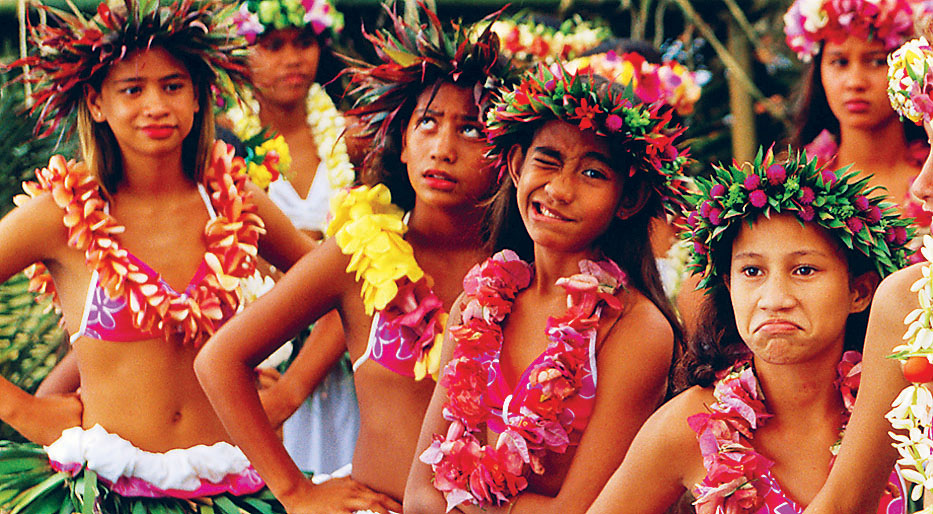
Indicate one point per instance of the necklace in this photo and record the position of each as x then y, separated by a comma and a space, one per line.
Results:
536, 422
323, 119
231, 238
733, 468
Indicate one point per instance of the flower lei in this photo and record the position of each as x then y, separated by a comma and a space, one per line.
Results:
256, 16
464, 468
530, 42
810, 22
76, 50
642, 131
912, 411
831, 199
369, 227
231, 240
669, 82
910, 80
733, 467
326, 124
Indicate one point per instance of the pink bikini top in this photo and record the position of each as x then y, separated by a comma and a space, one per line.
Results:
500, 398
777, 503
111, 319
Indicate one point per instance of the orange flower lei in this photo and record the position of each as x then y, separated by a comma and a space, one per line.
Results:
231, 240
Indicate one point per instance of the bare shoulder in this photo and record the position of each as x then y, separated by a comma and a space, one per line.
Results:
893, 298
669, 422
641, 322
37, 219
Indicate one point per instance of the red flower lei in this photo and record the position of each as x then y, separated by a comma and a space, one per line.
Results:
231, 240
464, 468
733, 467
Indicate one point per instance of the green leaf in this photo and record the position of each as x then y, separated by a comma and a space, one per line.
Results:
29, 495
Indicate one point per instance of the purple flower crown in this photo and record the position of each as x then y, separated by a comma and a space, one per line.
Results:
255, 17
644, 132
835, 201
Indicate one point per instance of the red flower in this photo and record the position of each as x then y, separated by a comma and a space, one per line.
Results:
758, 198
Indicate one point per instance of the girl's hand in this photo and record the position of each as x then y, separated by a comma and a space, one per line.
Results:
48, 416
337, 496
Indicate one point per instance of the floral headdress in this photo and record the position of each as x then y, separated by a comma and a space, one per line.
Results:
75, 51
831, 199
669, 82
910, 80
529, 42
257, 16
415, 57
641, 131
810, 22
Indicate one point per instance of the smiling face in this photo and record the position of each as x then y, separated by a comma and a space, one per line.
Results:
855, 77
148, 101
443, 147
791, 302
566, 188
283, 64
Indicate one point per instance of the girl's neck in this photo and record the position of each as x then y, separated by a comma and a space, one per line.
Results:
152, 175
453, 229
284, 118
552, 265
878, 150
804, 391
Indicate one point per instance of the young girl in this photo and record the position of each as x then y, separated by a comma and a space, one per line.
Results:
291, 44
844, 116
145, 242
519, 421
392, 292
891, 332
775, 363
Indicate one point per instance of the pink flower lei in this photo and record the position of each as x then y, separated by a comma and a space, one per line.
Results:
733, 467
466, 470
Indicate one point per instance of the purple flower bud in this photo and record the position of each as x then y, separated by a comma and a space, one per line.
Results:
698, 248
874, 215
889, 235
704, 209
807, 195
614, 122
861, 203
807, 213
752, 182
758, 198
900, 235
854, 224
776, 174
829, 178
717, 190
715, 216
692, 219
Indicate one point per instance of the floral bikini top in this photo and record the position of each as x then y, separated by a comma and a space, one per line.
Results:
127, 300
408, 318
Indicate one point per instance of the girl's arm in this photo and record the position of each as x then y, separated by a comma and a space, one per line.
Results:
867, 457
282, 244
320, 351
32, 233
225, 368
652, 476
632, 369
64, 377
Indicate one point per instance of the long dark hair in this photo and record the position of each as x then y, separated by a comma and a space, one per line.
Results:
716, 345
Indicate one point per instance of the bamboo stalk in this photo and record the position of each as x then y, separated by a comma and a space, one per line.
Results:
21, 14
744, 135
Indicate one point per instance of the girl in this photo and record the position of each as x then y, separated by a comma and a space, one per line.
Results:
291, 44
425, 104
844, 117
145, 243
519, 421
892, 333
775, 363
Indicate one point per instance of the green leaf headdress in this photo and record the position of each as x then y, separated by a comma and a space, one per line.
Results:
834, 200
643, 132
414, 57
75, 51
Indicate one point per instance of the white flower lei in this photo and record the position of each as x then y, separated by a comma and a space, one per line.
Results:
912, 411
325, 122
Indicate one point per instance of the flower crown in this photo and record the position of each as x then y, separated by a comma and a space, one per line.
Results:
75, 51
529, 42
910, 80
414, 57
866, 224
257, 16
642, 131
669, 82
810, 22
